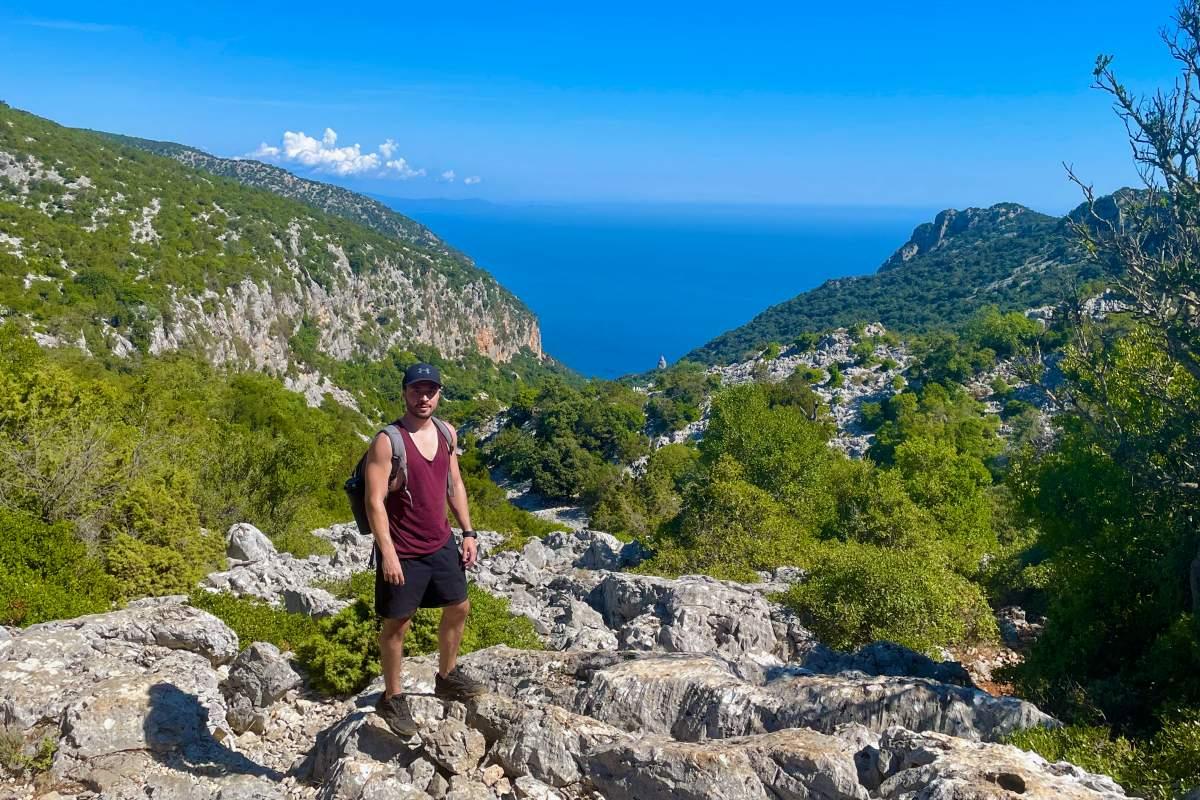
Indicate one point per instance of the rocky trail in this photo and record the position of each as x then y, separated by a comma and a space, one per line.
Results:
651, 688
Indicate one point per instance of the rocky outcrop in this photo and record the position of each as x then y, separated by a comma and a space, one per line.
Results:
656, 688
528, 742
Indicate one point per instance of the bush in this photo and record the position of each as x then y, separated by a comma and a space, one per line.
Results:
255, 620
1162, 767
303, 544
858, 594
47, 573
343, 655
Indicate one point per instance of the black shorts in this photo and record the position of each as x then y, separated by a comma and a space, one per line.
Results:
433, 581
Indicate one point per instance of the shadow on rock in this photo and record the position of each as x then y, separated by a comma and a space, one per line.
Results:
177, 734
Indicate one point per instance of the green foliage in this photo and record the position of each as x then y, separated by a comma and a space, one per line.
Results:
302, 544
677, 395
490, 509
858, 594
343, 656
1118, 536
772, 351
578, 436
1162, 767
47, 573
17, 762
639, 506
255, 620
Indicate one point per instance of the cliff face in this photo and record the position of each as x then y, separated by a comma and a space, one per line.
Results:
118, 250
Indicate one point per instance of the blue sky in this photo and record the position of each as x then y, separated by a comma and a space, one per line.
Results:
930, 105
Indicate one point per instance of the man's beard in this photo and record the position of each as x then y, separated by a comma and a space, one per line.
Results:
421, 413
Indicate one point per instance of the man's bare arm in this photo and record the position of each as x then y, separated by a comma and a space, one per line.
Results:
458, 502
376, 473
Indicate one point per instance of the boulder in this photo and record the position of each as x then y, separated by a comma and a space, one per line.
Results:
312, 601
943, 767
244, 542
51, 665
794, 763
258, 677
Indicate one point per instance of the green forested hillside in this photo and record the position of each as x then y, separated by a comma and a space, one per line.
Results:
323, 196
115, 248
1006, 255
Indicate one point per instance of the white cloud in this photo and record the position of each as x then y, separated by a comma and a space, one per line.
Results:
471, 181
447, 176
324, 155
403, 170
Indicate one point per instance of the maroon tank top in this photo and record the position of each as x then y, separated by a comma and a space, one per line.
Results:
417, 512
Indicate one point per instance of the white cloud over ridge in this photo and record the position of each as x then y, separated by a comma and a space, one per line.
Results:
447, 176
471, 181
324, 155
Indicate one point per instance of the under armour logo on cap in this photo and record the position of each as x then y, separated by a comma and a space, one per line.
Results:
422, 372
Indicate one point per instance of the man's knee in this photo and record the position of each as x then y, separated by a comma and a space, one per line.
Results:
457, 612
394, 629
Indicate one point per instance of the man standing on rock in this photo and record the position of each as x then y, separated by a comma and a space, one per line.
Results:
419, 564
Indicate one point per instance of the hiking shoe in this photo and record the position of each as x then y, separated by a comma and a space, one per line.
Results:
457, 686
394, 711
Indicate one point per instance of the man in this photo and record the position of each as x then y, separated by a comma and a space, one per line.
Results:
419, 564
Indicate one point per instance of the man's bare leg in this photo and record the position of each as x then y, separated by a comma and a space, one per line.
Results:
450, 633
391, 653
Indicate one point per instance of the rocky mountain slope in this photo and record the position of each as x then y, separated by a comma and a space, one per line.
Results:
1006, 255
655, 688
114, 249
322, 196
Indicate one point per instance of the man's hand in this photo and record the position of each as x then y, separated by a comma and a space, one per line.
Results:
470, 551
392, 571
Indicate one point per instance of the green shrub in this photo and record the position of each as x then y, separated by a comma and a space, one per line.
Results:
17, 762
343, 655
255, 620
772, 351
148, 570
47, 573
1089, 747
303, 544
1161, 767
806, 342
857, 594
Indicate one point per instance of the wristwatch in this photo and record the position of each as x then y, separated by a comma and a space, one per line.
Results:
470, 535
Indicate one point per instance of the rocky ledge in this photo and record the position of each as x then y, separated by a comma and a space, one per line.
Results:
653, 688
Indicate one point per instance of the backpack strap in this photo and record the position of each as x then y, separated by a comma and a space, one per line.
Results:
399, 454
444, 430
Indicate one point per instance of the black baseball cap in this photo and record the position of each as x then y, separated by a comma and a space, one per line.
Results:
422, 372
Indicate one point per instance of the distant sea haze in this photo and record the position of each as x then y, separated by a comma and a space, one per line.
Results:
615, 287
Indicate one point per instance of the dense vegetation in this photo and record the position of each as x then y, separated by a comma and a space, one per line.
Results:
1006, 255
119, 479
102, 238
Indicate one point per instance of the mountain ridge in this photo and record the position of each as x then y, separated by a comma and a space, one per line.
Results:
1005, 255
119, 250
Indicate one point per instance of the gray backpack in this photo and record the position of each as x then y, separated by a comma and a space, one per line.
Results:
356, 484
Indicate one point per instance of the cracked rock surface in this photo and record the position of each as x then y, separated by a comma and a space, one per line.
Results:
650, 688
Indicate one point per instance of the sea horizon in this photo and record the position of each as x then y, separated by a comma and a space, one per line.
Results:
616, 285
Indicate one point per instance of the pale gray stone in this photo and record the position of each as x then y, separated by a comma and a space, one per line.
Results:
244, 542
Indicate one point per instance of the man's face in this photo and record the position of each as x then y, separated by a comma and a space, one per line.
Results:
421, 398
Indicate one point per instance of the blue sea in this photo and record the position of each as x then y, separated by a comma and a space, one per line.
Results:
616, 286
